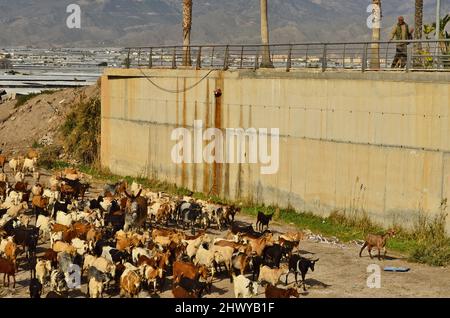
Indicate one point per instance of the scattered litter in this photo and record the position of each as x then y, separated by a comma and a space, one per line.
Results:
46, 140
396, 269
357, 242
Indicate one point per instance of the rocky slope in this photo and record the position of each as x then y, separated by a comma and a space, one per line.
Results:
38, 120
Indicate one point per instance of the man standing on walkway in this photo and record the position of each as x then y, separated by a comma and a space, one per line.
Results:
401, 32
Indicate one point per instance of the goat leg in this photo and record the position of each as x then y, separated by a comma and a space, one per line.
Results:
303, 280
362, 249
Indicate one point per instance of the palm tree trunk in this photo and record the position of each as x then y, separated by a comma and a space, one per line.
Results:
266, 61
376, 36
418, 32
187, 26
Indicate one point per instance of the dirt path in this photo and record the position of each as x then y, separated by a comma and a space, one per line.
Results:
339, 273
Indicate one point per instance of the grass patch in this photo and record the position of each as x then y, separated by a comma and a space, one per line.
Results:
47, 157
36, 145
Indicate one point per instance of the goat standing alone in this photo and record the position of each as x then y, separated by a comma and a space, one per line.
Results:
378, 241
263, 220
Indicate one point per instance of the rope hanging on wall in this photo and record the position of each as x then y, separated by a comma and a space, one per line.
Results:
174, 91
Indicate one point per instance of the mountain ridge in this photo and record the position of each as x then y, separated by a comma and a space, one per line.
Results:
158, 22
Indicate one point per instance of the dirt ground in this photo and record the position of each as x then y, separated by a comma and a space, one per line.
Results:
339, 272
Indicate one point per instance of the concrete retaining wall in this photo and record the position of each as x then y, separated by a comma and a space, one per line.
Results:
375, 142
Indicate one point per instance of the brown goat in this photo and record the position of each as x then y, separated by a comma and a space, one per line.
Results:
51, 256
2, 162
377, 241
21, 186
7, 267
275, 292
180, 292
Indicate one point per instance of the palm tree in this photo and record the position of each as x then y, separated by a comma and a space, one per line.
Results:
418, 32
266, 61
187, 26
376, 33
418, 20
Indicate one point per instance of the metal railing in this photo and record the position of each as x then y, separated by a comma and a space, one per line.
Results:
414, 55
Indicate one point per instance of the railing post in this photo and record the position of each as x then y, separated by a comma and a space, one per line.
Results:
386, 57
128, 61
255, 67
409, 58
324, 58
225, 58
212, 56
364, 58
306, 55
199, 58
174, 58
343, 58
289, 59
241, 65
139, 58
150, 60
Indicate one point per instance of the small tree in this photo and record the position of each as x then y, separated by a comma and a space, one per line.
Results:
444, 47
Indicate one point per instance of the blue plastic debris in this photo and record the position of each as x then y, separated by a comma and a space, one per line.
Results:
396, 269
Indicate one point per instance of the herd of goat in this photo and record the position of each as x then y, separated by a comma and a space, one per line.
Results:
129, 239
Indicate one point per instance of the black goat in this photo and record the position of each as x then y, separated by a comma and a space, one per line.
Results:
60, 206
95, 204
272, 255
237, 227
255, 263
189, 213
300, 264
194, 286
35, 288
263, 220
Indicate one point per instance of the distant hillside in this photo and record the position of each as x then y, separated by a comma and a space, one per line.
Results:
144, 22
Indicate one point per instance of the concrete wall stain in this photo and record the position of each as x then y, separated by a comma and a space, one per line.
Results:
217, 170
206, 166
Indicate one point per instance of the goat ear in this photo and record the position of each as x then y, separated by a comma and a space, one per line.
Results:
139, 193
316, 260
126, 193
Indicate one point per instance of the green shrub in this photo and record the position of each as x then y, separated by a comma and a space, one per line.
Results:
433, 245
49, 156
82, 131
